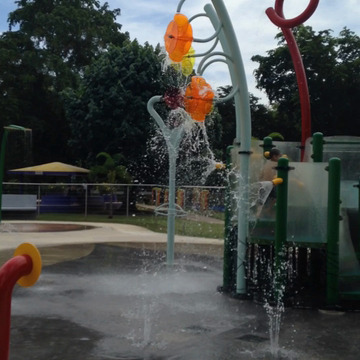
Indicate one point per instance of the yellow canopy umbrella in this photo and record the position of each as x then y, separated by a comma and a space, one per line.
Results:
53, 168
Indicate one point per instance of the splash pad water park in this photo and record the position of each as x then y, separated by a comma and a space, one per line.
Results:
285, 287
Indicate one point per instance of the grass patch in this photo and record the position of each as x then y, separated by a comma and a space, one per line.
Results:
216, 215
151, 222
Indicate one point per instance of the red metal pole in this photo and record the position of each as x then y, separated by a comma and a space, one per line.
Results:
277, 17
10, 273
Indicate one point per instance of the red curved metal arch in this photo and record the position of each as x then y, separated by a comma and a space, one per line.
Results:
277, 17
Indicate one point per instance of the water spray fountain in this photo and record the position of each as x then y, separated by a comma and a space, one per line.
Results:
172, 138
178, 41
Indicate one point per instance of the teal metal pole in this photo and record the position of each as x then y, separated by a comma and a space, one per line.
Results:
171, 212
318, 147
243, 136
230, 243
281, 228
2, 166
332, 245
173, 138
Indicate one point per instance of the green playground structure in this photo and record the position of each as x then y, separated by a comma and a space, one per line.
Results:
308, 243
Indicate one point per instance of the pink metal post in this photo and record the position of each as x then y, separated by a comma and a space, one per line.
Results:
10, 273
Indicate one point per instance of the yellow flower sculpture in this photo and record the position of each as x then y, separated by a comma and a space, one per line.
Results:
188, 62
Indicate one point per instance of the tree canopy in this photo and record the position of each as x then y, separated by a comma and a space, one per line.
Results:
68, 34
47, 47
70, 74
108, 111
261, 118
332, 66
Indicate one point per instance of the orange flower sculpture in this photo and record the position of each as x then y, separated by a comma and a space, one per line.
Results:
198, 99
178, 37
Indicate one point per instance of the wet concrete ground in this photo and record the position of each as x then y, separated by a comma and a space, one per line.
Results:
120, 303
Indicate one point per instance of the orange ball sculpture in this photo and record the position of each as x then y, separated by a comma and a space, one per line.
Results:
198, 99
178, 37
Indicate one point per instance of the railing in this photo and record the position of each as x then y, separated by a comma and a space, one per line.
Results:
93, 198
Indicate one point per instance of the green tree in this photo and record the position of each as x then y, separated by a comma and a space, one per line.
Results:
109, 170
68, 34
214, 130
51, 44
108, 111
262, 118
333, 72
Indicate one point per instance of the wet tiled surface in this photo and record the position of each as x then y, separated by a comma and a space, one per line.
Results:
114, 302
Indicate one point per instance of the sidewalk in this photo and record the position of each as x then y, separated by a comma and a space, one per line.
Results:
119, 234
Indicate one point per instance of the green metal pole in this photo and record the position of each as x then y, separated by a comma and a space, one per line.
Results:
316, 254
318, 147
228, 266
358, 221
2, 167
267, 145
333, 220
358, 240
281, 227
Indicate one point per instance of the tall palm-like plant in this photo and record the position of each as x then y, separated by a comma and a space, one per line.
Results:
110, 171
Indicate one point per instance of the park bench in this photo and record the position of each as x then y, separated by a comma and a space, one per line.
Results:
19, 205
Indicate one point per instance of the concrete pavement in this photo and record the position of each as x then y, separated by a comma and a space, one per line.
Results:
98, 301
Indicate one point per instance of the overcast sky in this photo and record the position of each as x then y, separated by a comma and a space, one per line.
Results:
147, 20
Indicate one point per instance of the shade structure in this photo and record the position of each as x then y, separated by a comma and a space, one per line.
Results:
53, 168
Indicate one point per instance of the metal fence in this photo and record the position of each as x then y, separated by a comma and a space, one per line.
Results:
123, 199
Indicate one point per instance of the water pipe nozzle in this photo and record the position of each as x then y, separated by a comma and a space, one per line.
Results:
277, 181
